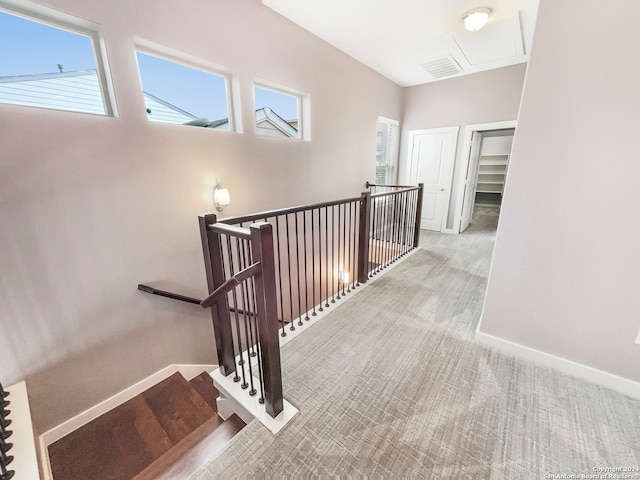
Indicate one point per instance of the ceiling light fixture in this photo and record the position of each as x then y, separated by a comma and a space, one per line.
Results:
475, 19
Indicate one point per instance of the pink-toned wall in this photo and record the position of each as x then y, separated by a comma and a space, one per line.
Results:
566, 267
91, 206
491, 96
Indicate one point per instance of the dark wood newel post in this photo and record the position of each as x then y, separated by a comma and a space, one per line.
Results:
363, 237
416, 232
215, 277
267, 310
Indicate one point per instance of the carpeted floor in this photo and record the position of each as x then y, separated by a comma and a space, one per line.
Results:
392, 384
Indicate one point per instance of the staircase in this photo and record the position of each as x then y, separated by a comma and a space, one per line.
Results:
168, 431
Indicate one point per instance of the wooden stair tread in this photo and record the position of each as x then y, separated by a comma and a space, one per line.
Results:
203, 384
108, 447
194, 451
178, 406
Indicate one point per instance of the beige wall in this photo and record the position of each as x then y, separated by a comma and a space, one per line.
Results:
491, 96
566, 267
91, 206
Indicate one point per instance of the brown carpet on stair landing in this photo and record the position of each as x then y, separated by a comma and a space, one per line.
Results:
116, 445
124, 441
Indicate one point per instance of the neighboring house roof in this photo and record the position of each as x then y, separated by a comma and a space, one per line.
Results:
268, 123
77, 91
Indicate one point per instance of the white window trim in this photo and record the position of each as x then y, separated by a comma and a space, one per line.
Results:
56, 19
232, 83
396, 153
304, 105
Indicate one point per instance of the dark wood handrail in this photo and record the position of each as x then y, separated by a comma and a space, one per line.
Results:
283, 211
368, 184
394, 192
231, 283
163, 293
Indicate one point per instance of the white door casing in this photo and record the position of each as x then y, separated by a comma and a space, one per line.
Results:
431, 159
471, 181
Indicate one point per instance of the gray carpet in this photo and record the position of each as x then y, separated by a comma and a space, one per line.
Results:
392, 384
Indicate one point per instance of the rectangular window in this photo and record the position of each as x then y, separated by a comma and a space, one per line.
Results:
180, 94
387, 133
278, 112
52, 63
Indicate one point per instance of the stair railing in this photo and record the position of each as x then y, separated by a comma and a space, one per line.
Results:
244, 277
269, 273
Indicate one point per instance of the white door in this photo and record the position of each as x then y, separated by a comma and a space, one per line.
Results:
431, 159
471, 181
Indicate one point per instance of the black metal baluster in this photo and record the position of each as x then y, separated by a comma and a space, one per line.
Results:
292, 327
298, 271
258, 347
313, 266
403, 237
246, 255
372, 230
242, 362
394, 229
354, 233
320, 259
385, 232
236, 378
306, 276
333, 255
253, 324
280, 295
340, 266
326, 255
246, 245
347, 226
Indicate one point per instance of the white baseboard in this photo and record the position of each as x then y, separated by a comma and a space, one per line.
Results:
65, 428
590, 374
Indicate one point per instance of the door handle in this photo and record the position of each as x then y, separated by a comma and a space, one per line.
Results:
442, 189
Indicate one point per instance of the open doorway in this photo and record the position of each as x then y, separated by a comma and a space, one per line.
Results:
489, 148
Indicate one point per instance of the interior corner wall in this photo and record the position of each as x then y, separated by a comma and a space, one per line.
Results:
486, 97
566, 269
90, 206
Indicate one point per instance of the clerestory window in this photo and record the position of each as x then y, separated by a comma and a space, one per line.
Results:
52, 60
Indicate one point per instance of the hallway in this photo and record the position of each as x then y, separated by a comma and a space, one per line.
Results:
393, 384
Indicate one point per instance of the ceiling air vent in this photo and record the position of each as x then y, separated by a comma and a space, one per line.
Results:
442, 67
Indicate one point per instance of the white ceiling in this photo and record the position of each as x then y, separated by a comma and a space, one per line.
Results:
395, 37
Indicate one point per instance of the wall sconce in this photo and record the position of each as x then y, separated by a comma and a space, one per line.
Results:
477, 18
221, 197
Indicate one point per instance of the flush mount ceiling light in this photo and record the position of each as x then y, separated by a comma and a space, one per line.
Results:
475, 19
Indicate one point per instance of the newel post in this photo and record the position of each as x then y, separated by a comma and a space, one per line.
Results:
363, 237
267, 312
215, 277
416, 231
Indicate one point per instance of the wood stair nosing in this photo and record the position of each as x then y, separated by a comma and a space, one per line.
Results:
193, 451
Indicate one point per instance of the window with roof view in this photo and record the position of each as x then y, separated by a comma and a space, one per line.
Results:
386, 151
277, 113
179, 94
51, 64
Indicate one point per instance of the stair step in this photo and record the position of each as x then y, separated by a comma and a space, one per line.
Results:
178, 407
116, 445
203, 384
171, 427
194, 451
